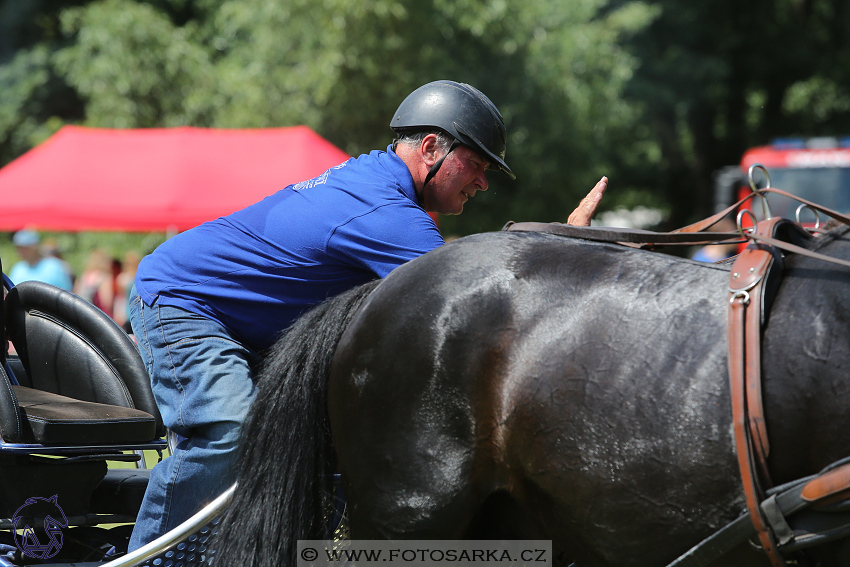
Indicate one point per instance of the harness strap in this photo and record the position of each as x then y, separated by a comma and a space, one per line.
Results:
700, 226
703, 224
792, 503
788, 247
834, 214
435, 168
647, 238
746, 287
832, 485
627, 236
749, 278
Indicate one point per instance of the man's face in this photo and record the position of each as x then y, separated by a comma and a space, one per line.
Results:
463, 173
30, 254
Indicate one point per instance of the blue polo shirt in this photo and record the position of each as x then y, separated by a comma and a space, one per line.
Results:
256, 270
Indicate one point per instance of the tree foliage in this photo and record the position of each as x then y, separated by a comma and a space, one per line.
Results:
655, 94
555, 69
718, 76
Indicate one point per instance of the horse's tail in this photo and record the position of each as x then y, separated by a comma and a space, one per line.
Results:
285, 476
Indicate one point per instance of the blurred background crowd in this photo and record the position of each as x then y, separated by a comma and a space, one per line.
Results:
104, 280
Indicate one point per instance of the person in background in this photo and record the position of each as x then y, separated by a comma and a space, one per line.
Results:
34, 265
123, 283
718, 252
49, 247
97, 284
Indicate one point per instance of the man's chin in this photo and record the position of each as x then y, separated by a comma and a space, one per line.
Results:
454, 211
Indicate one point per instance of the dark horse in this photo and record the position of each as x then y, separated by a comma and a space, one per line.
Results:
526, 385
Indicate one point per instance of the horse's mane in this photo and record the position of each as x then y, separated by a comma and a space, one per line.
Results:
286, 467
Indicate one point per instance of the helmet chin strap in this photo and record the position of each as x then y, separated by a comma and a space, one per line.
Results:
434, 169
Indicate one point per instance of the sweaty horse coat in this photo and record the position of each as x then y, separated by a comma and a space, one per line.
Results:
529, 385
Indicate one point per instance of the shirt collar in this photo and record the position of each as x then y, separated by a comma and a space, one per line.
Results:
401, 172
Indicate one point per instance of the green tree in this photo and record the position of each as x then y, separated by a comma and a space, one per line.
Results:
135, 67
34, 99
555, 69
655, 94
719, 76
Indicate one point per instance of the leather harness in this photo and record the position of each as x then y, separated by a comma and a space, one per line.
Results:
753, 279
747, 293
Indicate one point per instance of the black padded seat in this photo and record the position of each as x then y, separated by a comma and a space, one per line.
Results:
70, 348
82, 396
52, 419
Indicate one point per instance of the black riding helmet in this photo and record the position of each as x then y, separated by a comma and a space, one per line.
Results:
463, 112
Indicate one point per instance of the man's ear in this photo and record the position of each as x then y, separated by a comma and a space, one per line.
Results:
429, 149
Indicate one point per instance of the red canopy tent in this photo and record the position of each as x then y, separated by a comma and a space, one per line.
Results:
154, 179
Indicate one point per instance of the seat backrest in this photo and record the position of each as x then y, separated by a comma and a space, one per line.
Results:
70, 347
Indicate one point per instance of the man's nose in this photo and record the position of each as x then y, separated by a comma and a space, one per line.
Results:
482, 181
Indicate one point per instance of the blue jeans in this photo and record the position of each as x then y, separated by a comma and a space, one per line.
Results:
202, 379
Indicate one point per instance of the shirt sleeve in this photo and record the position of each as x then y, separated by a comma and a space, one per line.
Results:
385, 238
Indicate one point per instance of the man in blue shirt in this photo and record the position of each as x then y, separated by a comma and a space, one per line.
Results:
209, 301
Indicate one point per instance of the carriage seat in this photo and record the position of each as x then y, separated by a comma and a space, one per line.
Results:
83, 381
51, 419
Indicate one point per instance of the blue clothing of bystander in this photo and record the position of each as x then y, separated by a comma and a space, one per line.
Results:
48, 270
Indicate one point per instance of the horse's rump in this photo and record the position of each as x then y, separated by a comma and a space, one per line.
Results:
562, 373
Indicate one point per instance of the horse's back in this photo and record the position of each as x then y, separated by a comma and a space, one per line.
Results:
561, 372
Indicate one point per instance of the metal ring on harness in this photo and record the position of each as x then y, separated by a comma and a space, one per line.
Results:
805, 206
739, 221
765, 207
743, 295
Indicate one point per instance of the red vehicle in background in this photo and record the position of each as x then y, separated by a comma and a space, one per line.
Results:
816, 169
